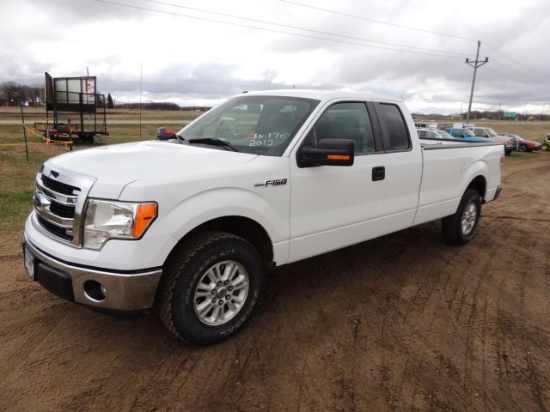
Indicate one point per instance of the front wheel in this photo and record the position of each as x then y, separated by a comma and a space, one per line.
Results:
522, 148
211, 284
546, 146
460, 228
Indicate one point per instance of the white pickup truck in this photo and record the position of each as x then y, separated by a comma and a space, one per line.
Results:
189, 226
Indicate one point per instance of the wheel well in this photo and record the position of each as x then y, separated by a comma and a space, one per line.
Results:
479, 185
244, 228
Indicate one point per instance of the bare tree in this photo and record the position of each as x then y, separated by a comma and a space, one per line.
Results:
11, 90
37, 94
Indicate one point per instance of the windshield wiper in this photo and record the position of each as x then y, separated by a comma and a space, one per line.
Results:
214, 141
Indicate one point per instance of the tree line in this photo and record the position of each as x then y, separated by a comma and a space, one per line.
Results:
500, 115
15, 93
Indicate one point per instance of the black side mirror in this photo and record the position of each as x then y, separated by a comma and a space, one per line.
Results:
328, 152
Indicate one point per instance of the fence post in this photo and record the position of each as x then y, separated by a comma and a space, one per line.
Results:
24, 131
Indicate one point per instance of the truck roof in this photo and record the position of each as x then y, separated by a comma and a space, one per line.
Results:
324, 94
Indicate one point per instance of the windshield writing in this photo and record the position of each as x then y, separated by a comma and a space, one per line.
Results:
252, 124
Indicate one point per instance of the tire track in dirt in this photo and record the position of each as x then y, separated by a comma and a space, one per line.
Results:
518, 339
27, 308
11, 258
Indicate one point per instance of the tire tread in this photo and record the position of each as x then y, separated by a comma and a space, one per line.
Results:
184, 253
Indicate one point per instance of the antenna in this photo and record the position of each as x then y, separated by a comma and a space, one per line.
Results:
140, 90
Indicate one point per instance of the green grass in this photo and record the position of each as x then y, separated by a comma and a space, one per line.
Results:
14, 207
16, 184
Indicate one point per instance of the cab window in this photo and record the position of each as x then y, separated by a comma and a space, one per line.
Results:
349, 120
396, 134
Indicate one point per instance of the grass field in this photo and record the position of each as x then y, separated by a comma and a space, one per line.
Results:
16, 185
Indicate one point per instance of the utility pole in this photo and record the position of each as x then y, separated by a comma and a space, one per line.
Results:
475, 64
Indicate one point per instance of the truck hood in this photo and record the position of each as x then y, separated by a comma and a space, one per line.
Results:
117, 166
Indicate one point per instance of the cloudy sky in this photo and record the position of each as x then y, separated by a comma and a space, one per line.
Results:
200, 52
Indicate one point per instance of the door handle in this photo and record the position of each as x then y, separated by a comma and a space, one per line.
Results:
378, 173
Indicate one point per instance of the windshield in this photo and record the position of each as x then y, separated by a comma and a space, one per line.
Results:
444, 135
251, 124
491, 132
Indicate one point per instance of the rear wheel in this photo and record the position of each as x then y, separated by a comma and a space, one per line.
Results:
210, 286
460, 228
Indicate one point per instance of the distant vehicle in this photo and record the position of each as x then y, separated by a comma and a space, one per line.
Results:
464, 134
488, 133
524, 145
425, 133
419, 124
164, 134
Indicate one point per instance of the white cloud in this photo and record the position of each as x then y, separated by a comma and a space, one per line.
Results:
184, 51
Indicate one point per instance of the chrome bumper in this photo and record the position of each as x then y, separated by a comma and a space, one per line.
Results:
133, 291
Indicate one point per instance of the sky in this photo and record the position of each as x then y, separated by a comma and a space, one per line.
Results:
202, 52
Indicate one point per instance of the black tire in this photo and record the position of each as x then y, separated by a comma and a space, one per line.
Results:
522, 148
546, 146
210, 285
460, 228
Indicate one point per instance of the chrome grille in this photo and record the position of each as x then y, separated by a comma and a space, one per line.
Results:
58, 186
59, 199
56, 230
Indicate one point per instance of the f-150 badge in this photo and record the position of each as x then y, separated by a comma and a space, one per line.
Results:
274, 182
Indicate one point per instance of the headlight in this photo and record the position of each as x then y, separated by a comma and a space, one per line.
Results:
107, 220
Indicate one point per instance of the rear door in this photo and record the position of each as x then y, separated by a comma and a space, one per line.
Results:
403, 163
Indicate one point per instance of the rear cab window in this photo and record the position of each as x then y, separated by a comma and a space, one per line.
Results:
394, 128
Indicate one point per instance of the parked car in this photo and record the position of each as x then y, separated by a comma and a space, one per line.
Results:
488, 133
164, 134
464, 134
425, 133
436, 134
524, 145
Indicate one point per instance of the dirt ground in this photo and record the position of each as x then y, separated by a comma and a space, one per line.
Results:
401, 323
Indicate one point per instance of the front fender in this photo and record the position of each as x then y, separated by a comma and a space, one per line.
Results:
269, 209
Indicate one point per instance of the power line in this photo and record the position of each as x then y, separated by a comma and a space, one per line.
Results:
313, 34
519, 79
524, 76
516, 62
418, 30
298, 28
403, 48
375, 21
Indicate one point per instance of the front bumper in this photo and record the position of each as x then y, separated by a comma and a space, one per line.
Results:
123, 291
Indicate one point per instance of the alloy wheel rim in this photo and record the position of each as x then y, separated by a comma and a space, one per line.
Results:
221, 293
469, 218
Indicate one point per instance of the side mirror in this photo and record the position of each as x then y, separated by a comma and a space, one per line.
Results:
328, 152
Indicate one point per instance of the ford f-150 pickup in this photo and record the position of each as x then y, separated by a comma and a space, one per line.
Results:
190, 226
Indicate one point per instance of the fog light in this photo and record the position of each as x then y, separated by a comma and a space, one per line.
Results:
95, 290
